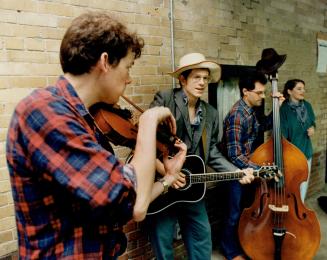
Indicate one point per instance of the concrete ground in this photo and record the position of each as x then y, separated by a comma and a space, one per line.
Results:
322, 217
311, 203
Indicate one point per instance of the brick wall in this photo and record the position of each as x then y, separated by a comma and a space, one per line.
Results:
232, 32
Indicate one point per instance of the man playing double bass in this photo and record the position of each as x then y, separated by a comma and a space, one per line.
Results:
241, 129
277, 225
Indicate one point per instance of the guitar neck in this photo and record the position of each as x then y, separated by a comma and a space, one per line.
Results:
218, 176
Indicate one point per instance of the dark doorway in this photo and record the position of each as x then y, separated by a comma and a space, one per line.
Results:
229, 82
223, 95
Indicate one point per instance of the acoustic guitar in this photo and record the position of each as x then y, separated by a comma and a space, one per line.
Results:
196, 179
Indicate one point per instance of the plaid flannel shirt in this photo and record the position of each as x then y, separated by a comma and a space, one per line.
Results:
71, 196
241, 128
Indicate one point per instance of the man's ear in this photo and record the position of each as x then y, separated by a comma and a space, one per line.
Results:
182, 80
103, 62
244, 91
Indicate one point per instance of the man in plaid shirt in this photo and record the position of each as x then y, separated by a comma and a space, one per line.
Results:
71, 195
241, 128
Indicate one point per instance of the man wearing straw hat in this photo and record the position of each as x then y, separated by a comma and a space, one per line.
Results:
197, 126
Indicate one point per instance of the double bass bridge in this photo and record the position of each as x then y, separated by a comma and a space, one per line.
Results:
274, 208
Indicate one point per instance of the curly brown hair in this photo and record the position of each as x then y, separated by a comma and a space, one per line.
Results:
92, 34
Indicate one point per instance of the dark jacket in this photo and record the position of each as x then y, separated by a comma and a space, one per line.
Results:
294, 131
208, 129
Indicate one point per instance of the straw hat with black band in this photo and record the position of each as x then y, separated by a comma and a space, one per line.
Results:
197, 61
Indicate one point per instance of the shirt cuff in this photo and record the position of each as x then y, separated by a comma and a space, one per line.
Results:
254, 166
129, 174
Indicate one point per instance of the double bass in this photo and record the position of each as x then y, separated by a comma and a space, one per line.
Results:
278, 225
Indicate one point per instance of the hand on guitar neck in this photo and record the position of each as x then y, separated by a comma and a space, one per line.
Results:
248, 176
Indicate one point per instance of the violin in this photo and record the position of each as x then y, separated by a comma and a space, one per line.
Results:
116, 125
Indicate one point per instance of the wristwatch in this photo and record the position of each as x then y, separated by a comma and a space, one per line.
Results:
164, 184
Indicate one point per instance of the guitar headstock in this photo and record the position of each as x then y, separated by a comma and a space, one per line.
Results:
269, 172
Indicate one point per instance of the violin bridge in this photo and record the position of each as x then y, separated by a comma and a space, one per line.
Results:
283, 208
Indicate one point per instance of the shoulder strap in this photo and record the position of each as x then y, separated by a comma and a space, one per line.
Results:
204, 142
204, 135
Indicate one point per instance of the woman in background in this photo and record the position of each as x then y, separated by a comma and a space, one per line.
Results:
298, 122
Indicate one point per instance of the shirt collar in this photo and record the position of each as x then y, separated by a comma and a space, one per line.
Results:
248, 109
198, 112
70, 94
185, 99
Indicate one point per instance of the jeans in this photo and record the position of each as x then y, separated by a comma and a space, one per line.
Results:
229, 242
195, 230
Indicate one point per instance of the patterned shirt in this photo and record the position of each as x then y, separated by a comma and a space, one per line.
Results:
195, 126
198, 112
241, 128
71, 195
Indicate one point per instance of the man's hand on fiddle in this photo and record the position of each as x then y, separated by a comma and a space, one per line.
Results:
160, 115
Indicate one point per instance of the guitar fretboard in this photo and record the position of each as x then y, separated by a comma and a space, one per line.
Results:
216, 176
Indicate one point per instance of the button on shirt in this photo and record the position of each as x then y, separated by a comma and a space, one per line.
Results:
71, 196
